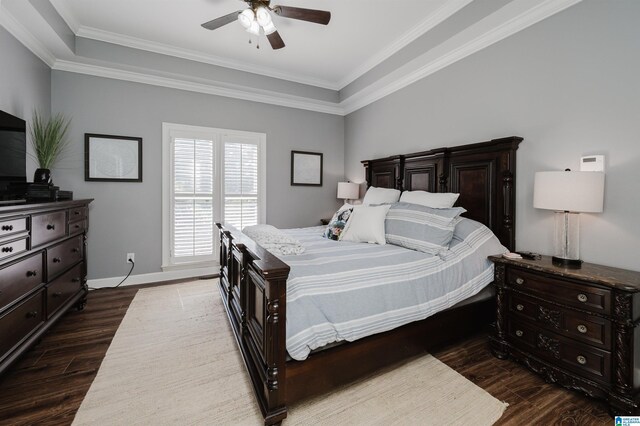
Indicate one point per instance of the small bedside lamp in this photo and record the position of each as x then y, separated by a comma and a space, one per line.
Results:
348, 191
568, 193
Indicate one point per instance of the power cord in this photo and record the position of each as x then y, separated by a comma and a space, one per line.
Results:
133, 264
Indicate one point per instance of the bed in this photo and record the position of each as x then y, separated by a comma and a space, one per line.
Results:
253, 281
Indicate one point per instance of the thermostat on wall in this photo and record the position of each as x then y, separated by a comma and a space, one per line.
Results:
592, 163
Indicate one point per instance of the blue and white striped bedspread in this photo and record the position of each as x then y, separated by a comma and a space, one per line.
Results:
345, 291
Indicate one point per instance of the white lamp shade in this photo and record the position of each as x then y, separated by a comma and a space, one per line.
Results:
263, 16
348, 190
246, 18
269, 28
581, 192
254, 28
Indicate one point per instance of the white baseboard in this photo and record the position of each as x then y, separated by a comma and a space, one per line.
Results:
154, 277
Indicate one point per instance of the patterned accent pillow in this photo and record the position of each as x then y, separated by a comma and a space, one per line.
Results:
421, 228
338, 222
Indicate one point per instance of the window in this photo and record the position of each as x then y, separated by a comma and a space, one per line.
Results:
210, 175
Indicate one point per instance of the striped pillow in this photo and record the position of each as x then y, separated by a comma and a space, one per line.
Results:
421, 228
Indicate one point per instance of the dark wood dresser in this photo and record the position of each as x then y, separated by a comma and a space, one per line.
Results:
43, 270
575, 327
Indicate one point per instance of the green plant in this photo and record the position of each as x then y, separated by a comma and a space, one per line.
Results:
48, 138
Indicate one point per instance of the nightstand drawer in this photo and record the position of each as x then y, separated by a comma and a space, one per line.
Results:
581, 296
585, 360
580, 326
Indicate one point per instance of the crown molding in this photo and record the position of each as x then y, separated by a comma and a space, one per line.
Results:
435, 18
211, 88
192, 55
16, 29
402, 78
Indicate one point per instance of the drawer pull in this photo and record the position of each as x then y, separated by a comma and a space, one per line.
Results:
32, 314
32, 273
76, 226
582, 328
7, 249
75, 250
581, 360
519, 280
75, 280
7, 227
77, 212
51, 227
582, 297
57, 294
519, 307
57, 260
519, 333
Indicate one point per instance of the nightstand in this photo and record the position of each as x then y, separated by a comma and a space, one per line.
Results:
575, 327
325, 221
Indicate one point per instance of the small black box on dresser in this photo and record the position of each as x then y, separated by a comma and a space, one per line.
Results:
575, 327
43, 270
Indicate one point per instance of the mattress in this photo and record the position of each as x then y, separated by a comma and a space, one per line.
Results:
342, 291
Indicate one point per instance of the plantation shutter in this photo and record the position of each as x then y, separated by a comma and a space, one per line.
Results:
193, 203
241, 184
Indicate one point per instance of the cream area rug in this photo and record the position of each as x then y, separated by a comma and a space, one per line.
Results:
174, 361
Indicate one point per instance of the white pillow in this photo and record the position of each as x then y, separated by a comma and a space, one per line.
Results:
435, 200
380, 196
366, 225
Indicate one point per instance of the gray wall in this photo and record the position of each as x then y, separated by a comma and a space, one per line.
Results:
568, 85
25, 84
126, 217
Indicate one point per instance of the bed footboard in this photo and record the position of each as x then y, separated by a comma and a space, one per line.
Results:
253, 287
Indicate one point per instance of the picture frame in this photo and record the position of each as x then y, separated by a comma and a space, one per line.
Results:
306, 168
110, 158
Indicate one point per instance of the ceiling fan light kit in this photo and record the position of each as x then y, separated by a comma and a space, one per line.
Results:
258, 17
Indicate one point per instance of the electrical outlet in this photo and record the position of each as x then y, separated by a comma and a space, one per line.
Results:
131, 258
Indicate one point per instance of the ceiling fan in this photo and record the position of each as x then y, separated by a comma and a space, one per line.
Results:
258, 17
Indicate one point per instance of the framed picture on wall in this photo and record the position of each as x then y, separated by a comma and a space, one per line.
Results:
306, 168
109, 158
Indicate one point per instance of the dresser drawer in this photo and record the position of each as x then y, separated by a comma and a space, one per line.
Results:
63, 288
577, 325
64, 255
20, 278
581, 296
12, 226
585, 360
77, 213
77, 227
18, 324
13, 248
48, 227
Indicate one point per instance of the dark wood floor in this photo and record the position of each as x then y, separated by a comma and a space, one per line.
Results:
47, 386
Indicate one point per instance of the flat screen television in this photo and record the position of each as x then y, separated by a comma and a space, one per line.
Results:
13, 150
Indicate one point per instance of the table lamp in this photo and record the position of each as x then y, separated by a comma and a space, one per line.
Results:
348, 191
568, 194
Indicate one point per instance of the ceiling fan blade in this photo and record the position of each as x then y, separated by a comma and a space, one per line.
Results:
275, 40
311, 15
221, 21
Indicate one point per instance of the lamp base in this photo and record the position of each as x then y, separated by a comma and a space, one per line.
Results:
566, 263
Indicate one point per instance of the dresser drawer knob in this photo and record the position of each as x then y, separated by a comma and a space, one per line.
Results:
519, 307
581, 360
32, 273
51, 227
32, 314
75, 250
7, 227
582, 297
519, 333
75, 280
582, 328
7, 249
519, 280
77, 226
57, 260
77, 212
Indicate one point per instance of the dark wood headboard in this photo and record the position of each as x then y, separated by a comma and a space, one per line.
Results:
483, 173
